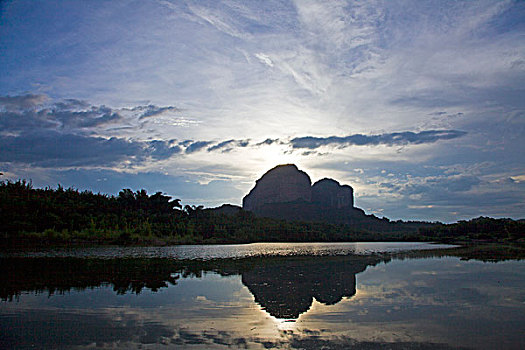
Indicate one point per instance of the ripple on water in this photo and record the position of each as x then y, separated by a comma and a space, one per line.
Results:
206, 252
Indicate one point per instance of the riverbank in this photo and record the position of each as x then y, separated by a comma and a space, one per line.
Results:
490, 251
54, 238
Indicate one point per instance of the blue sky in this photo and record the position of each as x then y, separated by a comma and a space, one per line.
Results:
418, 105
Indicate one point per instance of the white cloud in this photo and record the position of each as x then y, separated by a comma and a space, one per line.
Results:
264, 59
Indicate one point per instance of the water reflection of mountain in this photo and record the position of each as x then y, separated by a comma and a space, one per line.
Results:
283, 286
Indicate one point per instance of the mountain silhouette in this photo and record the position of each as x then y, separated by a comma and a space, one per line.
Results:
285, 192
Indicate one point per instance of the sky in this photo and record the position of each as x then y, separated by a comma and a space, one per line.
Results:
418, 105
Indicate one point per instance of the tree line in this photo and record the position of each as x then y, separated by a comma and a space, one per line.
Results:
481, 228
63, 215
46, 215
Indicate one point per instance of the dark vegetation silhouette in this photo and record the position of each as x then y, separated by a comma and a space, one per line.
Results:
65, 215
481, 228
31, 215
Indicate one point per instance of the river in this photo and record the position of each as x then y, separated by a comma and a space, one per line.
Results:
260, 296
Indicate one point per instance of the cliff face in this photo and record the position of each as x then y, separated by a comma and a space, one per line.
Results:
285, 192
329, 193
284, 183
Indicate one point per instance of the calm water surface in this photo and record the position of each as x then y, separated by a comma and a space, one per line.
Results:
292, 296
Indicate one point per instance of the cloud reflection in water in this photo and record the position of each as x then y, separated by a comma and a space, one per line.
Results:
424, 303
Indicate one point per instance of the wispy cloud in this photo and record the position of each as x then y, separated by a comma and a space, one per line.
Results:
151, 111
264, 59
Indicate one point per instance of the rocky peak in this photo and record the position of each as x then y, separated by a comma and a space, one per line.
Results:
284, 183
287, 184
329, 193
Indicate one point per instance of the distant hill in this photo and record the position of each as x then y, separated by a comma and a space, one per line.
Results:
225, 209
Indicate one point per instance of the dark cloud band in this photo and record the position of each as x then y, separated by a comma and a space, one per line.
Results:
393, 139
197, 146
21, 102
226, 146
53, 149
61, 134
